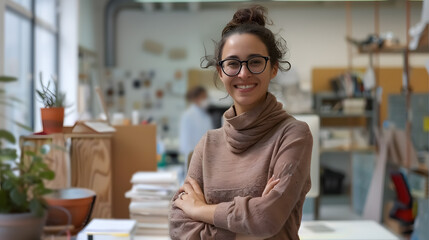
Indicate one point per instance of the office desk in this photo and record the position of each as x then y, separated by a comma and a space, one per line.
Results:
344, 230
323, 230
331, 230
151, 238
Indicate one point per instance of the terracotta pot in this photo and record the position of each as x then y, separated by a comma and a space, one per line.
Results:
52, 119
21, 226
77, 201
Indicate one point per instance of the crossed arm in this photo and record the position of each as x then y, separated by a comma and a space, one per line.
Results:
194, 204
192, 218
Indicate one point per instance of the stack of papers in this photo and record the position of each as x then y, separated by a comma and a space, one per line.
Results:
150, 201
108, 229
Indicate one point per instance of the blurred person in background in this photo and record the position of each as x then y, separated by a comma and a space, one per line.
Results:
195, 121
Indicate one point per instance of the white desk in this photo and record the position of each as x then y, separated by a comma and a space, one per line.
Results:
151, 238
344, 230
332, 230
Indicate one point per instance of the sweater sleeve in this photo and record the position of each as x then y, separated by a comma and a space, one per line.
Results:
180, 225
264, 216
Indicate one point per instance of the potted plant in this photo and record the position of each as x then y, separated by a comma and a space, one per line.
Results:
54, 102
22, 207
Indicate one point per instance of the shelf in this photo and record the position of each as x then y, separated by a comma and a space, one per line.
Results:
340, 111
67, 135
422, 170
335, 199
393, 50
350, 149
372, 49
330, 95
366, 114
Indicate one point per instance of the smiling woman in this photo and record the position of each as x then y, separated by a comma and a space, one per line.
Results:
247, 88
248, 179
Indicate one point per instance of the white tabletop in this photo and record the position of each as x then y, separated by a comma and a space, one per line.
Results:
345, 230
150, 238
332, 230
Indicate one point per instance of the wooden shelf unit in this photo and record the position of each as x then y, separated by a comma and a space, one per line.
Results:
79, 160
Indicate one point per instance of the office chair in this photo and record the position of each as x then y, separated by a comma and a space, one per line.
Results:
403, 206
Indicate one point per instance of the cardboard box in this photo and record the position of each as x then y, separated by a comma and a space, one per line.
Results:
134, 149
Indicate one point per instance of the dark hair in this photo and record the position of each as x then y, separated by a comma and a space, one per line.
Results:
251, 20
195, 93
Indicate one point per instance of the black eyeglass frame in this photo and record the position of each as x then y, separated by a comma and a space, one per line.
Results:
220, 63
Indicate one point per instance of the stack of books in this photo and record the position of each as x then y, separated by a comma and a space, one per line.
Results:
108, 229
150, 201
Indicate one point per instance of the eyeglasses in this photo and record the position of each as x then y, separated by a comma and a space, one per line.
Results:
255, 65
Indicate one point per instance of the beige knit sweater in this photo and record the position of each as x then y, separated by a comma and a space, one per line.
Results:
233, 164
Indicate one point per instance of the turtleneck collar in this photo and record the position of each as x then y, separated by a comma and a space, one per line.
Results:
246, 129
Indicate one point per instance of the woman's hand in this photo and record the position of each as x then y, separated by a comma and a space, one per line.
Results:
192, 201
270, 185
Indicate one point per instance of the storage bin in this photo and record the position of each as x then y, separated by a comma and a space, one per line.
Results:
332, 181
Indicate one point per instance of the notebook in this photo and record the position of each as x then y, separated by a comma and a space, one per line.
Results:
108, 229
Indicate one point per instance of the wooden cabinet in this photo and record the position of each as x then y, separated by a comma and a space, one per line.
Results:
91, 167
79, 160
104, 163
134, 149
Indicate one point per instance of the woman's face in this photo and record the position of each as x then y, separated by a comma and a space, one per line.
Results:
247, 89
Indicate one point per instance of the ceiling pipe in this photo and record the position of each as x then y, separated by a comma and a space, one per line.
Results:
110, 12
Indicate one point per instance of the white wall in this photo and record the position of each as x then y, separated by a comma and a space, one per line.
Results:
315, 35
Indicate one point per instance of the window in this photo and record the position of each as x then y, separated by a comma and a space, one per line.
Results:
24, 3
17, 55
30, 47
46, 11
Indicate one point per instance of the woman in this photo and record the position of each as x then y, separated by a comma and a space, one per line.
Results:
248, 179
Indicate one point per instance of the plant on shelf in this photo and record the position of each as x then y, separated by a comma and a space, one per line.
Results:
51, 98
21, 187
54, 104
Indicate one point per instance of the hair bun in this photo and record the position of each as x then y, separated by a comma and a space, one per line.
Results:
252, 15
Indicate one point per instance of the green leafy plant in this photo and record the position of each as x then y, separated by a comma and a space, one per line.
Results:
21, 182
51, 98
